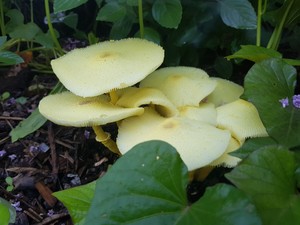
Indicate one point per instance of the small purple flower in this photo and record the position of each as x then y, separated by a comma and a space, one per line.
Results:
296, 101
285, 102
87, 134
2, 153
17, 207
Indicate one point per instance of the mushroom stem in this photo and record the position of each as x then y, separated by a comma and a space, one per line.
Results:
113, 96
202, 173
105, 139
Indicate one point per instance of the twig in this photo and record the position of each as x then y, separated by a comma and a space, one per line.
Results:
27, 170
52, 219
53, 150
11, 118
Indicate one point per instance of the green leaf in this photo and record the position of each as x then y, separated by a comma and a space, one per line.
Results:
33, 122
255, 53
9, 58
238, 14
290, 10
16, 18
148, 184
150, 34
4, 215
144, 186
27, 31
121, 29
7, 212
167, 13
221, 204
111, 12
77, 200
44, 39
64, 5
268, 177
254, 144
2, 41
71, 20
266, 83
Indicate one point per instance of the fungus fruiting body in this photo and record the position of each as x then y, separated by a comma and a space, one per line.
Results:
98, 69
182, 85
202, 117
198, 143
108, 65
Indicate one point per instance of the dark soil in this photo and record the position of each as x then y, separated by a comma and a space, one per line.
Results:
51, 159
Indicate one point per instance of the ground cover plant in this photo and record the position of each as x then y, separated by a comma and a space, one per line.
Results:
205, 132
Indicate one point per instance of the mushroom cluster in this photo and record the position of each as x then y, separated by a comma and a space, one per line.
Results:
202, 117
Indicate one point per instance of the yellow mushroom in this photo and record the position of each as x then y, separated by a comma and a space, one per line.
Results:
198, 143
108, 65
225, 92
71, 110
134, 97
226, 159
241, 118
183, 86
205, 112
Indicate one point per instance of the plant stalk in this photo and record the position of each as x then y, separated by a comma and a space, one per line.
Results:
258, 27
141, 19
54, 38
276, 36
2, 24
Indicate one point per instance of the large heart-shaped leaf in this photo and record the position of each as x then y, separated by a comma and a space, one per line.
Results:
148, 186
268, 176
77, 200
266, 84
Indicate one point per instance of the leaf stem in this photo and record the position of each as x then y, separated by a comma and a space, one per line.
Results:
258, 29
275, 38
3, 32
141, 19
51, 30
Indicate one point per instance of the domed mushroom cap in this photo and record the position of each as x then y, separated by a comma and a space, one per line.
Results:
182, 85
225, 92
205, 112
108, 65
241, 118
134, 97
71, 110
197, 143
228, 160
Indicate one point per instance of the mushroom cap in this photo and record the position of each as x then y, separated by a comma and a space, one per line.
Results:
134, 97
71, 110
205, 112
197, 143
228, 160
182, 85
241, 118
225, 92
108, 65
